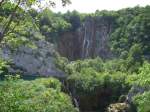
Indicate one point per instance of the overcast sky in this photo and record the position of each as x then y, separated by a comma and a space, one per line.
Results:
87, 6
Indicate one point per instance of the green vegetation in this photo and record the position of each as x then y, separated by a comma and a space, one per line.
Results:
43, 94
94, 83
3, 68
142, 102
92, 79
40, 95
108, 81
131, 37
17, 95
141, 79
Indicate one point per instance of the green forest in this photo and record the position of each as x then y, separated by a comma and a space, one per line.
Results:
92, 82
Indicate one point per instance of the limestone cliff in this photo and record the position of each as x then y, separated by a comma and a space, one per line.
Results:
26, 60
89, 40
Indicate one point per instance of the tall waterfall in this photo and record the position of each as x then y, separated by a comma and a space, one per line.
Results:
89, 40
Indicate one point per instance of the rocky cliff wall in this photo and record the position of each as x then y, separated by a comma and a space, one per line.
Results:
27, 60
91, 39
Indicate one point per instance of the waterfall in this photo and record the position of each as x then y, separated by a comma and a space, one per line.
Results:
76, 102
71, 93
86, 43
91, 39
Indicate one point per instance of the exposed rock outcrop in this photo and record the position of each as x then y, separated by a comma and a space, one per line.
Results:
32, 61
89, 40
119, 107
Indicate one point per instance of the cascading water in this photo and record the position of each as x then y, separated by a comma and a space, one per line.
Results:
89, 40
86, 44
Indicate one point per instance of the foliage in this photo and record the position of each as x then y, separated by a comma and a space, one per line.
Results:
115, 65
132, 34
60, 62
141, 79
89, 81
24, 6
51, 25
142, 102
40, 95
77, 66
91, 78
3, 67
104, 81
74, 18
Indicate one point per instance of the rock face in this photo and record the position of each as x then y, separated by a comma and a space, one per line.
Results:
119, 107
32, 61
89, 40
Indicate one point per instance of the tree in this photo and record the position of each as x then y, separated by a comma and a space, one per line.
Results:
40, 95
73, 18
24, 4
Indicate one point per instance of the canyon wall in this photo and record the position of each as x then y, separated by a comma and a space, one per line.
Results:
90, 40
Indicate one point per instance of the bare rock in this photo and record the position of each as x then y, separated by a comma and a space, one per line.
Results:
118, 107
33, 61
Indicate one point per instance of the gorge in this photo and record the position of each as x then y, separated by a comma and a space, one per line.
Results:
98, 61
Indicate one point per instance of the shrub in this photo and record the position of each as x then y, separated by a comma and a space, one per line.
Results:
41, 95
141, 79
142, 102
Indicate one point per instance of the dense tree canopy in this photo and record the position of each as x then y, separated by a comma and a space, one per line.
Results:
41, 95
25, 4
91, 84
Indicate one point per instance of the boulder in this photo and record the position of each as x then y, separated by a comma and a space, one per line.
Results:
119, 107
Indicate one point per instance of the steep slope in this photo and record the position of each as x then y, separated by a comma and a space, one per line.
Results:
91, 39
32, 60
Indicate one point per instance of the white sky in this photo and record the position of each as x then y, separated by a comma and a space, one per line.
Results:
87, 6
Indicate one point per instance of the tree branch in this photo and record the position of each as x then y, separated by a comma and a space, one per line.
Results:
10, 19
1, 2
12, 30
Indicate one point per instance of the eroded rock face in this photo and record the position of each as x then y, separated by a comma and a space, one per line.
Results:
89, 40
33, 61
94, 35
69, 45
